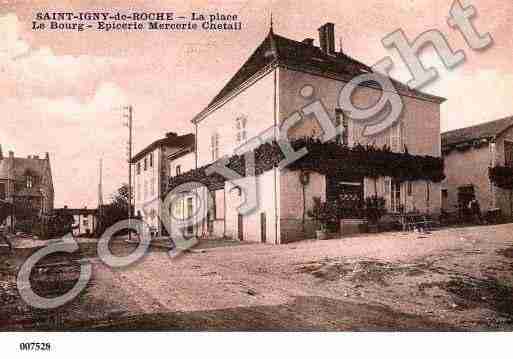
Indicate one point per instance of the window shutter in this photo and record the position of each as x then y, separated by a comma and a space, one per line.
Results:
508, 153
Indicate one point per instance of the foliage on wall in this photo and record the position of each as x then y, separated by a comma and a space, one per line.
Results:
328, 158
501, 176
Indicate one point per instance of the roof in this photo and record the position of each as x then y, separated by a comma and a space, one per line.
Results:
23, 166
171, 140
482, 131
77, 211
283, 51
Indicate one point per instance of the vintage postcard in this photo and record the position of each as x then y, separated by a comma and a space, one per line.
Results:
242, 166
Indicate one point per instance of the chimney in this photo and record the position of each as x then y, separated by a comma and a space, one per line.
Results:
327, 38
171, 134
308, 41
35, 157
47, 156
29, 157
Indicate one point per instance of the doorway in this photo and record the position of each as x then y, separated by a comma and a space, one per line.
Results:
240, 227
189, 214
263, 227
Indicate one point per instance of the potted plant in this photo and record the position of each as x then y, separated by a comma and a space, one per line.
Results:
374, 210
323, 213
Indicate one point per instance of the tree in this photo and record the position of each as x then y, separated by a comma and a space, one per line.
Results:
115, 211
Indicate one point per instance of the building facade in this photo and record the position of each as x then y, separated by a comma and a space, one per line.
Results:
85, 220
469, 153
27, 183
267, 90
152, 167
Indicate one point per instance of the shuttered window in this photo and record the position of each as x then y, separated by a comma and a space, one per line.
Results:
508, 153
214, 146
240, 128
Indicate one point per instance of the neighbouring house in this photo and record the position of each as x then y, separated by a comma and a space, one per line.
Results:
85, 220
479, 164
152, 168
268, 88
27, 184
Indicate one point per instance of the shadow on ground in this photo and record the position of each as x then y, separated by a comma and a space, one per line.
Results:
303, 314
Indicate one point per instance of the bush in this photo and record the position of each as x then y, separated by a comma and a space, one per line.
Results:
324, 213
375, 208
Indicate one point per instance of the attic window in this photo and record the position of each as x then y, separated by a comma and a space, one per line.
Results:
30, 181
240, 124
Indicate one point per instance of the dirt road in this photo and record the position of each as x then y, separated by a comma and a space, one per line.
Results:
453, 279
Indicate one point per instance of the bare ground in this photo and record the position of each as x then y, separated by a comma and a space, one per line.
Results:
453, 279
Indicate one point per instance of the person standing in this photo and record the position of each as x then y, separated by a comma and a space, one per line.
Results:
476, 211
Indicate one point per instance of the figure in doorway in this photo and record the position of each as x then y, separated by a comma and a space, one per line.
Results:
475, 210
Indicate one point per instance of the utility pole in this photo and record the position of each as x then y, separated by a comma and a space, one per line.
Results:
129, 124
99, 218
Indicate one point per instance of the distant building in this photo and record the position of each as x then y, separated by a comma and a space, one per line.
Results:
26, 181
85, 220
468, 154
152, 168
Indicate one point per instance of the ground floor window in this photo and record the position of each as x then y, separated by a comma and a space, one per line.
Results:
395, 196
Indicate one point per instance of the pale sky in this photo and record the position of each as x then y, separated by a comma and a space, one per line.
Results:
62, 92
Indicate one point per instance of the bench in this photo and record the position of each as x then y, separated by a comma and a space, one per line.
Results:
424, 222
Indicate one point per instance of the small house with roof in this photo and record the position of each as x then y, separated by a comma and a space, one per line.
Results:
479, 164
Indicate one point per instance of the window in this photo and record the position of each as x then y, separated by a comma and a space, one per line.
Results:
428, 191
212, 205
356, 133
189, 207
508, 153
178, 170
30, 181
410, 188
138, 168
386, 186
396, 141
152, 186
85, 222
214, 146
445, 194
151, 160
395, 196
145, 163
340, 119
240, 125
3, 191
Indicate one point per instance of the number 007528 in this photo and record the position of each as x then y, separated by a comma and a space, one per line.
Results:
34, 347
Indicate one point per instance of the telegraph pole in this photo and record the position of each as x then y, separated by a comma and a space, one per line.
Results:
129, 124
